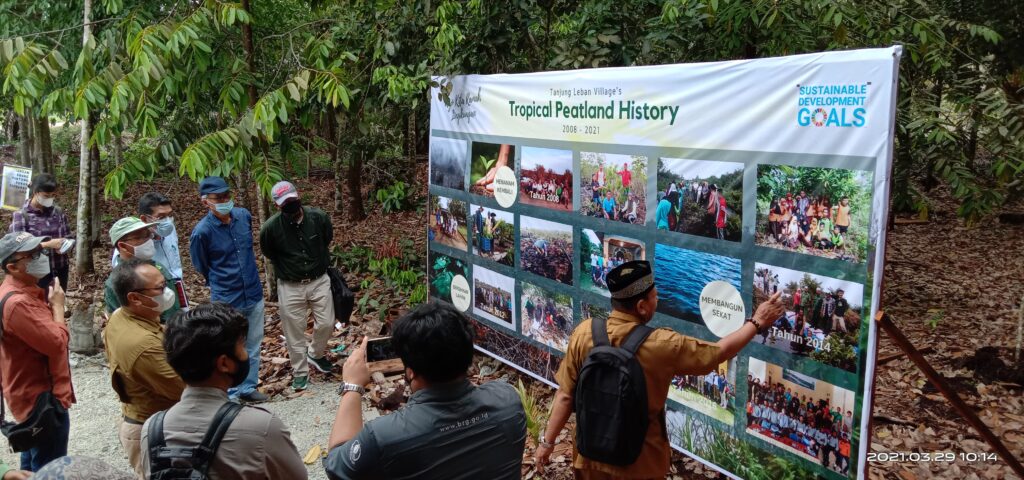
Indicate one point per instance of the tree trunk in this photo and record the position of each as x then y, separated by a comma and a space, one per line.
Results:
83, 251
95, 189
25, 141
355, 184
332, 141
118, 149
38, 162
43, 132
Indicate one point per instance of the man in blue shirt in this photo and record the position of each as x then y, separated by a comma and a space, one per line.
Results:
609, 206
221, 247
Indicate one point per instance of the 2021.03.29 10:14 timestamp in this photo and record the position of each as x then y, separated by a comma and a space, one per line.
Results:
931, 457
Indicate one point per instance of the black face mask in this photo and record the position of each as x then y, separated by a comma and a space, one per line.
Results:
240, 373
292, 209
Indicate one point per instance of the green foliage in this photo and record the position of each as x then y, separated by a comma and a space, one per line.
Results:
535, 417
394, 198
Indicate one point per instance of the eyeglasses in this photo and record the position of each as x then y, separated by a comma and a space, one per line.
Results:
158, 287
34, 255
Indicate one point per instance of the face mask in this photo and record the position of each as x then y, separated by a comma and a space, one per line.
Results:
290, 209
224, 208
164, 301
241, 371
38, 267
146, 251
165, 227
46, 202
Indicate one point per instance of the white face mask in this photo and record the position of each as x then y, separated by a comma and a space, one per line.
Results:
45, 201
146, 251
164, 301
38, 267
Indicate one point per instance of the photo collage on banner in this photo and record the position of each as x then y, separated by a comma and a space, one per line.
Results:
538, 192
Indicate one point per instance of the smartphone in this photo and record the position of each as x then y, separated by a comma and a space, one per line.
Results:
380, 349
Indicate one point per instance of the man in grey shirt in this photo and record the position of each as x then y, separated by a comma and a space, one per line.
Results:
206, 347
449, 429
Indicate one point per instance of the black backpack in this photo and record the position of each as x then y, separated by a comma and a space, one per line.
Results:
611, 398
187, 463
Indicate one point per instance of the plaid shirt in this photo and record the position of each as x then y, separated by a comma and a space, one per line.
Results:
41, 223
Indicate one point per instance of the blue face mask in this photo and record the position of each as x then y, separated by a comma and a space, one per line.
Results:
165, 227
224, 208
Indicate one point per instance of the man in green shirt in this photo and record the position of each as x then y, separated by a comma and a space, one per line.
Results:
133, 238
297, 241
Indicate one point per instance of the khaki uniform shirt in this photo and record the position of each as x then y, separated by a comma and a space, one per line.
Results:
663, 355
256, 446
139, 371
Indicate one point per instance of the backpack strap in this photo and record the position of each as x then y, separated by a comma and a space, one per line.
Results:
207, 450
636, 337
599, 330
157, 442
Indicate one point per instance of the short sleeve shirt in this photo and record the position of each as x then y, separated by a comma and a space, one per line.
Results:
451, 431
663, 355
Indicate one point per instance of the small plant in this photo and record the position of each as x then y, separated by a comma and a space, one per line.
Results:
535, 417
937, 315
394, 198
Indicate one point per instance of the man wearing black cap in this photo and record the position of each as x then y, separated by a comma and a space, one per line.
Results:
221, 247
34, 349
663, 355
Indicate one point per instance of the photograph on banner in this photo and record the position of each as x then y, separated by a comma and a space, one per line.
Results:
531, 358
493, 297
591, 311
814, 210
448, 162
545, 178
600, 253
546, 249
802, 415
485, 160
710, 442
448, 222
493, 233
713, 394
443, 269
546, 316
681, 275
823, 316
700, 197
613, 187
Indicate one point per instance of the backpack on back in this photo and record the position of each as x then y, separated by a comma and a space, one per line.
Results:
611, 398
187, 463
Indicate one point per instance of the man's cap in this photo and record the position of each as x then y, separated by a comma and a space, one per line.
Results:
630, 279
125, 226
213, 185
282, 191
19, 242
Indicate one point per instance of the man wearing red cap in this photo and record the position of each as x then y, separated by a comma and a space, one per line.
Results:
297, 241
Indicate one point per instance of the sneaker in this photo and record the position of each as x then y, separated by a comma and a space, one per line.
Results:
254, 396
321, 364
300, 383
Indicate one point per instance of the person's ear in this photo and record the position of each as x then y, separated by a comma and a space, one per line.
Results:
224, 364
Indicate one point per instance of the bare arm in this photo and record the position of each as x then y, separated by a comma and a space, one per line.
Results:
349, 419
561, 408
766, 313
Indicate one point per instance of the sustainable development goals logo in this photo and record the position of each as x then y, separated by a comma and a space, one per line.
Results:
832, 105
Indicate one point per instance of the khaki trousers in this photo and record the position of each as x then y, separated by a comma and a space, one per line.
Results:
131, 437
296, 301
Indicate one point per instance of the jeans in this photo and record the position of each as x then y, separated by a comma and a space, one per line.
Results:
253, 341
49, 449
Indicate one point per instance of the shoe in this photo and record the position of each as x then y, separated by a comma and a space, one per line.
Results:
300, 383
321, 364
254, 396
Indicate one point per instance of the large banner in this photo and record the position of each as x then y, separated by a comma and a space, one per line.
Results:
736, 179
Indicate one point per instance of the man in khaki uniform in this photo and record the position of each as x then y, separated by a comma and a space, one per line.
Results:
206, 346
663, 355
139, 372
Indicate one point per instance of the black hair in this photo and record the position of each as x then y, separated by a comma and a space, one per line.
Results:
44, 182
194, 340
629, 304
150, 200
434, 340
124, 278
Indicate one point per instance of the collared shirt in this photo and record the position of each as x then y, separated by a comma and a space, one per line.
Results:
167, 254
450, 431
222, 253
45, 222
111, 303
34, 356
298, 251
139, 371
256, 446
663, 355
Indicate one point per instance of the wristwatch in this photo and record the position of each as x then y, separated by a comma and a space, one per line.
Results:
541, 442
351, 387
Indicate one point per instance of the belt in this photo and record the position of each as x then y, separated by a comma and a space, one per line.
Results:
304, 281
132, 421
